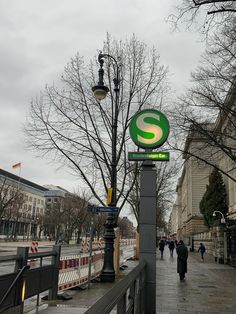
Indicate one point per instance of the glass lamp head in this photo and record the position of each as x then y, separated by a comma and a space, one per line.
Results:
100, 91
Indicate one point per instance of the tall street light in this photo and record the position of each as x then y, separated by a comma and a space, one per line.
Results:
100, 91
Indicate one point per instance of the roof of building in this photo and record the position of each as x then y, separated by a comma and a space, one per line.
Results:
55, 188
16, 178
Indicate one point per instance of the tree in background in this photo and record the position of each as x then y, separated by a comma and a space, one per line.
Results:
67, 216
99, 221
11, 198
207, 108
70, 125
208, 14
126, 227
166, 175
214, 198
54, 218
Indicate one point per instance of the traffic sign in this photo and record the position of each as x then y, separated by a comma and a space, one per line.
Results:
149, 128
158, 156
106, 209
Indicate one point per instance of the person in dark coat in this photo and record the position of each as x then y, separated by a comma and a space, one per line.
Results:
182, 253
202, 250
161, 247
171, 248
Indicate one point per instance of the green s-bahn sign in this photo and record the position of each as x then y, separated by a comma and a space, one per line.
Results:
149, 128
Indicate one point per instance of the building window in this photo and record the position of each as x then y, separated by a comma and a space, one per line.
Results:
30, 199
42, 202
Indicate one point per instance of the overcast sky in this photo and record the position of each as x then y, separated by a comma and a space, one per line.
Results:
38, 38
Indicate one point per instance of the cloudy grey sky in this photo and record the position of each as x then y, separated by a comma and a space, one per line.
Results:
38, 38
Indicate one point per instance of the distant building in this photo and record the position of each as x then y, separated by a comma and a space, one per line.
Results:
24, 213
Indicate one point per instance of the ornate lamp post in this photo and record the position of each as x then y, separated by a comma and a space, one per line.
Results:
100, 91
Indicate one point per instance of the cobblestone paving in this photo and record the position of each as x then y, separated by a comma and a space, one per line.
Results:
209, 287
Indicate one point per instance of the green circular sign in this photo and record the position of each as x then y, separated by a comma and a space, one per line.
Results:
149, 128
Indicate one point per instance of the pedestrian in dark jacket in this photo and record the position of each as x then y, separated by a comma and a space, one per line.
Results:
161, 247
182, 253
202, 250
171, 248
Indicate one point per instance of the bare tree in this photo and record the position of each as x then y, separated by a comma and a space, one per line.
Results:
11, 198
208, 14
99, 221
71, 126
165, 189
54, 217
67, 215
207, 110
76, 212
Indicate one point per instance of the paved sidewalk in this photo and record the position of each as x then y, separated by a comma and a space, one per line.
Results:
209, 287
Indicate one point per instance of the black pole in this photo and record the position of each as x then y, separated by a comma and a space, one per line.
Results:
108, 272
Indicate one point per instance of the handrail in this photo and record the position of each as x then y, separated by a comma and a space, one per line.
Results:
42, 254
30, 256
23, 269
113, 296
9, 258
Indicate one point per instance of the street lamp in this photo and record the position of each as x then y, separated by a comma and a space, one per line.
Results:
100, 91
222, 216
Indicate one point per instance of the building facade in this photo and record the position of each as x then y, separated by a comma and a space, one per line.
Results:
186, 218
22, 206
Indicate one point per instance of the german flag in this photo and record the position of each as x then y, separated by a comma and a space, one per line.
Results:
18, 165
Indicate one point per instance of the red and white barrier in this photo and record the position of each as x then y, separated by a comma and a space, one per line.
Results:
82, 247
127, 242
74, 270
87, 246
34, 247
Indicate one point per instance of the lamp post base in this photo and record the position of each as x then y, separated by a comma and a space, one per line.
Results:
108, 272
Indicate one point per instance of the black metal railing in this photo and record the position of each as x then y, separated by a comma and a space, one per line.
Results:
18, 277
33, 281
127, 295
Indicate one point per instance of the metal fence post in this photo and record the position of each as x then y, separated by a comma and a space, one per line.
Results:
56, 262
22, 258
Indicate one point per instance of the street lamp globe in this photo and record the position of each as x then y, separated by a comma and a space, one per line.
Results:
100, 91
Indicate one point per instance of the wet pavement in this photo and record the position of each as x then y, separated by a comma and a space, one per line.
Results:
208, 288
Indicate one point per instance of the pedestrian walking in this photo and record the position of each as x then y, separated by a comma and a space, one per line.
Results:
161, 247
202, 250
182, 253
171, 248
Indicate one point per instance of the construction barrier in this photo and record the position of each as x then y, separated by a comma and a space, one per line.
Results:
87, 246
82, 250
73, 270
127, 242
34, 247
